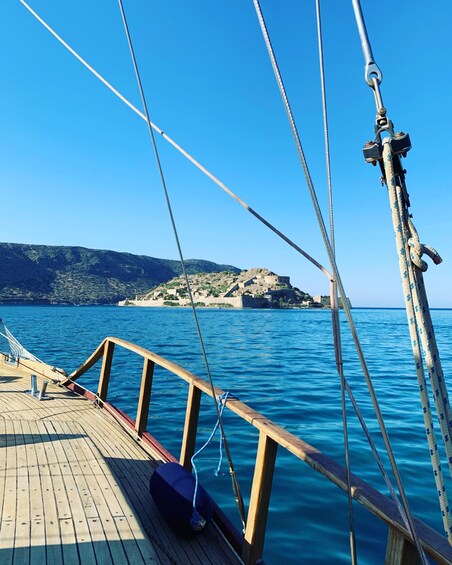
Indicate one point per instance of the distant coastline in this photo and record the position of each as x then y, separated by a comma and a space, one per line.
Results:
65, 275
28, 304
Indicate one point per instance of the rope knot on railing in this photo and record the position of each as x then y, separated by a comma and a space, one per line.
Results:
223, 398
197, 521
417, 249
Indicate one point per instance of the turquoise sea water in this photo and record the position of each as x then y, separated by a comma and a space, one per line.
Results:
282, 364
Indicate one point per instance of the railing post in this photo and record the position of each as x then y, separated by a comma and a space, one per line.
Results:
145, 396
190, 426
107, 359
399, 550
253, 544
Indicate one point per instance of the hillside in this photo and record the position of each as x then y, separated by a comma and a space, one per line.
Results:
44, 274
255, 288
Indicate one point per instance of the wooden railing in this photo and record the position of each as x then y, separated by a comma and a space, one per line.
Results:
400, 549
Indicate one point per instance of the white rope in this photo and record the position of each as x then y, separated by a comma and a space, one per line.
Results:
417, 312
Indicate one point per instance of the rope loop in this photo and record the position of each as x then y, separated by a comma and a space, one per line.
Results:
433, 254
416, 252
417, 249
421, 332
221, 401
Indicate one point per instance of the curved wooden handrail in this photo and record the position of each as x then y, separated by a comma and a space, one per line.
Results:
378, 504
86, 365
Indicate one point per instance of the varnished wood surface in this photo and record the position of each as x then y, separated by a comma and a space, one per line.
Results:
435, 544
74, 487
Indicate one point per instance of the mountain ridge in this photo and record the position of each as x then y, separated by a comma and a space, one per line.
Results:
55, 274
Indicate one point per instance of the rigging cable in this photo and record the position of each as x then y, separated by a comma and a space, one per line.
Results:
334, 302
180, 149
337, 278
411, 266
18, 351
238, 200
235, 484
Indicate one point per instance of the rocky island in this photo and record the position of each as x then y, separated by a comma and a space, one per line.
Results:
255, 288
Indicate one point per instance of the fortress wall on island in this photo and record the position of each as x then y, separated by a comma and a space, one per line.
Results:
208, 301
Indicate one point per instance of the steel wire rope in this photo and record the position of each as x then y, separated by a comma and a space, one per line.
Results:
335, 306
180, 149
230, 193
235, 484
337, 277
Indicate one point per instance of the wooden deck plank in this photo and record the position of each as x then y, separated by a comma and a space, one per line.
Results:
8, 522
37, 527
103, 531
64, 520
136, 483
76, 499
88, 499
68, 541
137, 549
84, 503
23, 528
51, 538
197, 550
186, 551
107, 495
127, 525
139, 505
3, 463
97, 533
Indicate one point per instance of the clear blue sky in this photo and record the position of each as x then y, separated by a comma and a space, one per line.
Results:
77, 167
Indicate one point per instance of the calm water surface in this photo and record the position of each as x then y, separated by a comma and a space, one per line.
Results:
282, 364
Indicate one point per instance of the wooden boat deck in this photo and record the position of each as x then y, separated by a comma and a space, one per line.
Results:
74, 487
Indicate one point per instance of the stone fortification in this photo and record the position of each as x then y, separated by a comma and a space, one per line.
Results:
255, 288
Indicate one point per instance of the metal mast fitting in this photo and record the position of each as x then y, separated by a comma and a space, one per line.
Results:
400, 142
387, 153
